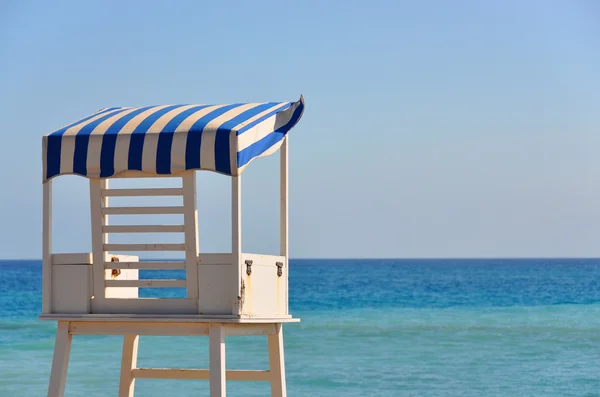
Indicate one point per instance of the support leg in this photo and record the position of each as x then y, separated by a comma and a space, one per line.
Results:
128, 363
277, 363
217, 361
60, 361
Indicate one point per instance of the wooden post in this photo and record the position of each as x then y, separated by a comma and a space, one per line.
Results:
217, 361
128, 364
283, 213
98, 238
191, 234
236, 239
276, 363
47, 248
60, 361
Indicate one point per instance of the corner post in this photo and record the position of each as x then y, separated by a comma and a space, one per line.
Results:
47, 248
128, 364
236, 240
99, 238
283, 213
191, 234
60, 360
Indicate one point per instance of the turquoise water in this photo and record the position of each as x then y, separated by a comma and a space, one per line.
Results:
369, 328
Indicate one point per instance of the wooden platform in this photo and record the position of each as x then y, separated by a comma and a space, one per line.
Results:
132, 327
166, 318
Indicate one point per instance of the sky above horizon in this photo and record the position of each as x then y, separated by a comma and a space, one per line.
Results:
431, 129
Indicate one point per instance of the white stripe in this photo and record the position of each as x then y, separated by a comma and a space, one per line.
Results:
67, 147
149, 153
258, 116
264, 128
124, 138
95, 143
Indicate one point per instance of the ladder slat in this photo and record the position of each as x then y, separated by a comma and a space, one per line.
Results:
198, 374
144, 247
144, 229
146, 283
175, 191
145, 265
142, 210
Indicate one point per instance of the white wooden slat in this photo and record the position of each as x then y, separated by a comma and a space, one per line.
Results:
215, 259
198, 374
47, 247
174, 191
145, 306
144, 247
158, 210
146, 283
190, 220
145, 265
144, 229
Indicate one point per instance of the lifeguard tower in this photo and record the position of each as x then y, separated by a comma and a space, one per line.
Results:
225, 294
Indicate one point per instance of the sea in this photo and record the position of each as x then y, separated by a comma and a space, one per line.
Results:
428, 327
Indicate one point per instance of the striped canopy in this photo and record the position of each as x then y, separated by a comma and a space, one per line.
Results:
163, 140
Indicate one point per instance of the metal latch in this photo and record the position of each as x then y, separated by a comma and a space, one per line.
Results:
248, 267
115, 272
279, 268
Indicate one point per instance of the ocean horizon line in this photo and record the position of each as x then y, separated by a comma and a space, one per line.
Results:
375, 258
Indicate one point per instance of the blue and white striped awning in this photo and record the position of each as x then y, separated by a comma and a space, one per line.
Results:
163, 140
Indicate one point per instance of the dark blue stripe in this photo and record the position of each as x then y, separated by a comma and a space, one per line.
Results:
263, 118
109, 142
81, 144
194, 138
222, 142
54, 145
136, 141
165, 140
258, 148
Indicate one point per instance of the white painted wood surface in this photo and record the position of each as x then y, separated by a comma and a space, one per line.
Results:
47, 247
191, 235
60, 361
144, 229
218, 387
142, 192
145, 265
158, 210
277, 363
128, 364
146, 283
143, 247
99, 239
71, 288
284, 216
264, 289
199, 374
216, 332
236, 245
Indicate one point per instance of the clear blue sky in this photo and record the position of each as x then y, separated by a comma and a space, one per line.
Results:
432, 128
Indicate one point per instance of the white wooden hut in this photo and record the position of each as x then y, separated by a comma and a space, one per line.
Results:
226, 294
